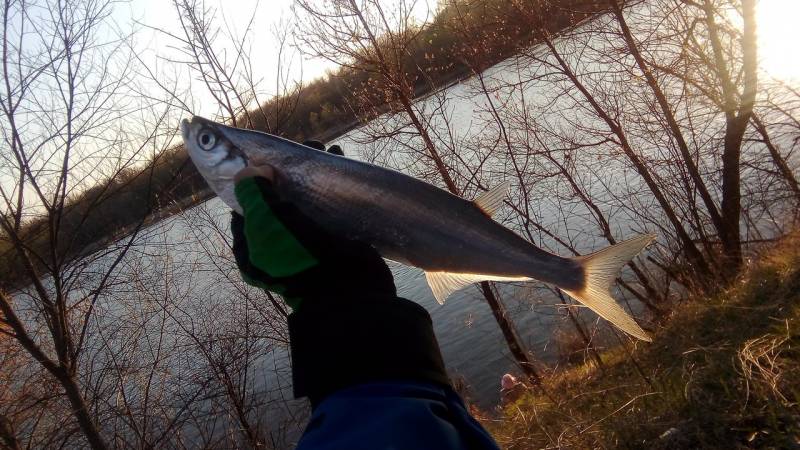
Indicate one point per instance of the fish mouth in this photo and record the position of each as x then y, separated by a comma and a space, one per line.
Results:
185, 130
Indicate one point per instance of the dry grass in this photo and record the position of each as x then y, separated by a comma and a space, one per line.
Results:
762, 366
724, 372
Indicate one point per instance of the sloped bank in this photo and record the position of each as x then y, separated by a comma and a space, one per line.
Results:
723, 372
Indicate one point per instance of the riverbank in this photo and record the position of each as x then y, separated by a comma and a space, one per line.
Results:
722, 372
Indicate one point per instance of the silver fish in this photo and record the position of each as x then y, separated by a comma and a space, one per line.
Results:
453, 240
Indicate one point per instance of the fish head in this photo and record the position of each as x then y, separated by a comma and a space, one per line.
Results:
212, 153
215, 156
219, 152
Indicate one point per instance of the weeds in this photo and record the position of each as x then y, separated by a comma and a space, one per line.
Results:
725, 374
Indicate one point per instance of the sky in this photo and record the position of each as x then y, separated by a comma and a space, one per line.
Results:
777, 30
778, 36
267, 14
236, 14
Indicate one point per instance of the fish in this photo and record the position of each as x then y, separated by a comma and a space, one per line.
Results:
454, 240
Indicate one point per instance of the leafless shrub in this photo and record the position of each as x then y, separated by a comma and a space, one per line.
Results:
221, 59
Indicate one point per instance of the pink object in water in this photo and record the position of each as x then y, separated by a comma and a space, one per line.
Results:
508, 382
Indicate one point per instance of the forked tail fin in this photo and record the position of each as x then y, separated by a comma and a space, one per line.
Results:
600, 270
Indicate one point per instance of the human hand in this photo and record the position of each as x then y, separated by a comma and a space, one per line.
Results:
279, 248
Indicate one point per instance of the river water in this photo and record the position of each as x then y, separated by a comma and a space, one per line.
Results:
471, 342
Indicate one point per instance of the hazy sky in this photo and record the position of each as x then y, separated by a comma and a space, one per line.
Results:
778, 33
236, 14
778, 37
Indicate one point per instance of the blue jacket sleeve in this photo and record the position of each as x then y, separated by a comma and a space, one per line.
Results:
376, 380
395, 415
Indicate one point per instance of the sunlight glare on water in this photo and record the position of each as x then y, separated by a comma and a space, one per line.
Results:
778, 36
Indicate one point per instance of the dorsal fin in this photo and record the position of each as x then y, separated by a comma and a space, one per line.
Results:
490, 201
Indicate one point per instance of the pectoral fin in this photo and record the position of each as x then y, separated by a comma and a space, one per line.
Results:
490, 201
445, 283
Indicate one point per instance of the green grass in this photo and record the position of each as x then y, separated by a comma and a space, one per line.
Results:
723, 372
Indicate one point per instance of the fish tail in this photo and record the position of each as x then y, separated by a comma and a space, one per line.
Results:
600, 269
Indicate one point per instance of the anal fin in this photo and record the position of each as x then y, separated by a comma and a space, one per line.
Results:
445, 283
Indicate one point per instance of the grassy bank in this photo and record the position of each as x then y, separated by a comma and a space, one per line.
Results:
723, 372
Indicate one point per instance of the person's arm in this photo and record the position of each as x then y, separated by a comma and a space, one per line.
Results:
367, 359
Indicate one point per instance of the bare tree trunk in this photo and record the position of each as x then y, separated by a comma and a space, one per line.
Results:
81, 411
515, 345
521, 356
689, 247
672, 123
237, 403
59, 372
736, 123
434, 154
392, 72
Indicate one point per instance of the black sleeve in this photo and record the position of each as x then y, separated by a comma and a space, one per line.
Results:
340, 344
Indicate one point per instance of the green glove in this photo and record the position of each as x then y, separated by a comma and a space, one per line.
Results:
280, 249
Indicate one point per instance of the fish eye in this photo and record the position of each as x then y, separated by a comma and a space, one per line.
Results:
206, 139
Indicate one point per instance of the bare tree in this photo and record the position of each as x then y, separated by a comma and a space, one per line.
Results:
221, 58
737, 106
233, 345
374, 38
66, 89
647, 81
368, 37
649, 118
